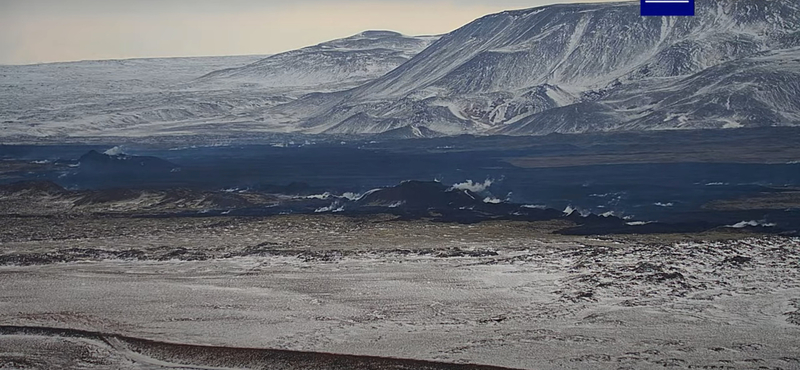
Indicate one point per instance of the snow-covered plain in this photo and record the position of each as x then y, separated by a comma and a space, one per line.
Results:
495, 293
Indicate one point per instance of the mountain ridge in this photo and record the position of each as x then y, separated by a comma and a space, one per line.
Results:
510, 66
342, 63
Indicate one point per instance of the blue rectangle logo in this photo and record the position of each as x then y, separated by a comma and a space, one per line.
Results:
667, 7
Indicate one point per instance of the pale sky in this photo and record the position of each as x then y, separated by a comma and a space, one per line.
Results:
36, 31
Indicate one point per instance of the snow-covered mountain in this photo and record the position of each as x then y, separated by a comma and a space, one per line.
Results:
337, 64
587, 67
758, 91
565, 68
184, 96
106, 97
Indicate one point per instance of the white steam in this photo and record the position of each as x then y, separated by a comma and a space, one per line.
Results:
475, 187
117, 150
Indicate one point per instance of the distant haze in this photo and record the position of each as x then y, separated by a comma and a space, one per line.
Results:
35, 31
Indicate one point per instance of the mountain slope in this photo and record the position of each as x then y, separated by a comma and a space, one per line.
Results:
515, 67
751, 92
346, 62
188, 96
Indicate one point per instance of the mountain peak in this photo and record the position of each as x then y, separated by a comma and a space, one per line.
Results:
374, 34
330, 66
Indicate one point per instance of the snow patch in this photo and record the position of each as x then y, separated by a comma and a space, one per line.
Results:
582, 212
355, 197
534, 206
751, 223
334, 207
351, 196
732, 124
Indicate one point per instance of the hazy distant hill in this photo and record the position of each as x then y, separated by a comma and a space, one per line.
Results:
341, 63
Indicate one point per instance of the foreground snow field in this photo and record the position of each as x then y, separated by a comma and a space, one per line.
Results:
496, 293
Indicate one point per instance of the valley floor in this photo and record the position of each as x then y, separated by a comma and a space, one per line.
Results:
506, 294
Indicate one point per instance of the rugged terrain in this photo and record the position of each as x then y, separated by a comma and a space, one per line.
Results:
638, 182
